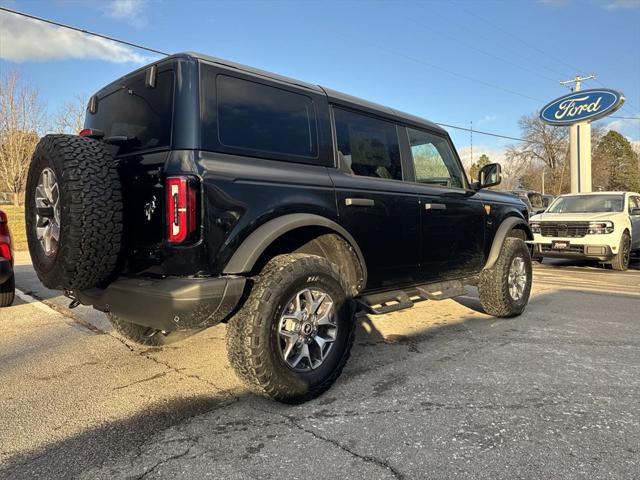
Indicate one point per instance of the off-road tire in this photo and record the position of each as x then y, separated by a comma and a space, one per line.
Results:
620, 261
252, 343
493, 284
90, 212
137, 333
7, 292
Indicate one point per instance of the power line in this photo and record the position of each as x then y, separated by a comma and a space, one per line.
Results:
82, 30
397, 53
625, 118
491, 134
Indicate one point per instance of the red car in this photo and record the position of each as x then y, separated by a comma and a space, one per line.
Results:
7, 283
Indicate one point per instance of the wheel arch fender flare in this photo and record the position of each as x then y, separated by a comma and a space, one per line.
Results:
507, 225
250, 250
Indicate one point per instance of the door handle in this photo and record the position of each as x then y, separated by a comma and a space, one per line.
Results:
435, 206
359, 202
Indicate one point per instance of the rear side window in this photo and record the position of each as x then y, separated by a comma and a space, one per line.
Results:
135, 111
254, 118
367, 146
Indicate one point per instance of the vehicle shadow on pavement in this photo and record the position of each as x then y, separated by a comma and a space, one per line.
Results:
395, 358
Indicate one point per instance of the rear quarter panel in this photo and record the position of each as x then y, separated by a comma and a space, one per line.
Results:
242, 193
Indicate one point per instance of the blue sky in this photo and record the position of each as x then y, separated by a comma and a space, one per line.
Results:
455, 62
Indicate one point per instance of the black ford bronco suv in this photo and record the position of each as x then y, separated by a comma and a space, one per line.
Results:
202, 191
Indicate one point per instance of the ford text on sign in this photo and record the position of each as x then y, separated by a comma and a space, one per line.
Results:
583, 106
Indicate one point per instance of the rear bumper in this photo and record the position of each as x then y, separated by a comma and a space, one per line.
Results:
6, 269
171, 303
598, 252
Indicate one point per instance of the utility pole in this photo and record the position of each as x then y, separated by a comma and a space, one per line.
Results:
580, 146
471, 137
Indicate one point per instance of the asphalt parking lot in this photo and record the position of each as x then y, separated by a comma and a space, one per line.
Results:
438, 391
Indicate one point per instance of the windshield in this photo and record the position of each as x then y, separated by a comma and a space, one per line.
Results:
587, 204
135, 111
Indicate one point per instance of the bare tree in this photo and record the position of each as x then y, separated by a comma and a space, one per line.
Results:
70, 116
21, 118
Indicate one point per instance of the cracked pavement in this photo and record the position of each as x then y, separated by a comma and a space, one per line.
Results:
437, 391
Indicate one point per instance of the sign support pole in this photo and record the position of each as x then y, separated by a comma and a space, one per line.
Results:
580, 148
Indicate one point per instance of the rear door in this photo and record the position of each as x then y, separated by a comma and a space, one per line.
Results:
374, 203
452, 220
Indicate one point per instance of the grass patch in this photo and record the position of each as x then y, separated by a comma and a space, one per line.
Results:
16, 224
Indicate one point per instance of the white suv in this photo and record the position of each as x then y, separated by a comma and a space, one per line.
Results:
600, 225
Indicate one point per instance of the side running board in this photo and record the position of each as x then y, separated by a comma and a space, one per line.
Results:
387, 302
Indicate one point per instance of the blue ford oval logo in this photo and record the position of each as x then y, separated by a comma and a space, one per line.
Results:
586, 105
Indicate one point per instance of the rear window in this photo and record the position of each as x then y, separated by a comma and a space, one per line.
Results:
253, 118
135, 111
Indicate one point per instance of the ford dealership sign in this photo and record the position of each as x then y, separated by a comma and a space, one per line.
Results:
582, 106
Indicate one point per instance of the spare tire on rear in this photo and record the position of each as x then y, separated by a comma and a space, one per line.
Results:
73, 210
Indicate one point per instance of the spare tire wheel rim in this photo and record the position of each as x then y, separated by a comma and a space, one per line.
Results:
307, 329
47, 200
517, 278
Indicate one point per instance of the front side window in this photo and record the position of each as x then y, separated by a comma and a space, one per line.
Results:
367, 146
434, 160
634, 202
256, 117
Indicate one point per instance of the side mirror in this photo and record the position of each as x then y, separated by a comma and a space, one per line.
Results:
635, 211
490, 175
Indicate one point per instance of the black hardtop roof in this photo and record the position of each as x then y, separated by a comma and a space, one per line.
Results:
333, 95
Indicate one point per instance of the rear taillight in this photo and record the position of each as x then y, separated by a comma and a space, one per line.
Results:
91, 133
181, 207
5, 238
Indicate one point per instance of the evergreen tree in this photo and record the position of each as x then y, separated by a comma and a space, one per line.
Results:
475, 168
615, 165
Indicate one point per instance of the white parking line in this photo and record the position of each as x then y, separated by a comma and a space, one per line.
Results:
35, 302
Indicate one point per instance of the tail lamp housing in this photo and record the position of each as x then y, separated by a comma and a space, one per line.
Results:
5, 238
181, 208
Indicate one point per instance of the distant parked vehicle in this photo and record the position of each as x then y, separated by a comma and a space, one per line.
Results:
601, 225
533, 200
7, 283
547, 199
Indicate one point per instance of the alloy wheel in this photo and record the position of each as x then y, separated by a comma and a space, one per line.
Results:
307, 329
517, 278
47, 200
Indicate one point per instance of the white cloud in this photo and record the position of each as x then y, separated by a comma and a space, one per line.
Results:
495, 154
130, 11
23, 39
486, 119
629, 127
621, 4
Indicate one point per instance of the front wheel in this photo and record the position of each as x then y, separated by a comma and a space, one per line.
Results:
505, 288
621, 260
292, 338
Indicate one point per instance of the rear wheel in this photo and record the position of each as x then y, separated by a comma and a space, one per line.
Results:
505, 288
621, 260
292, 338
73, 212
7, 292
